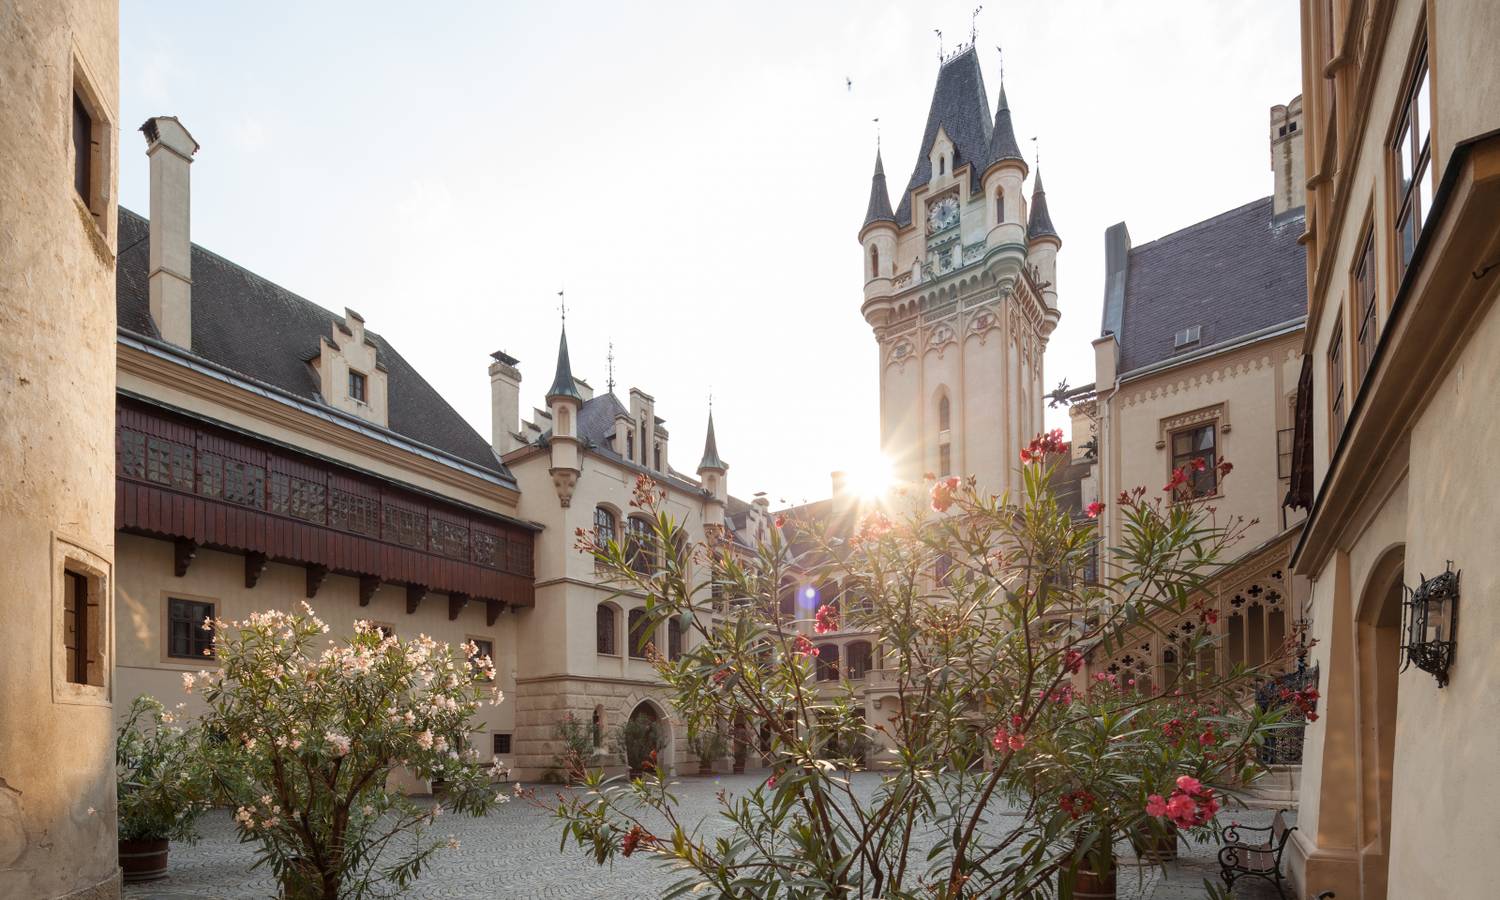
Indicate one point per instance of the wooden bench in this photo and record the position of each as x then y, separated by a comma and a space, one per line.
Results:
1242, 856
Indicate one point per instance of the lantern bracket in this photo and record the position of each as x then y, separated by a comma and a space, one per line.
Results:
1430, 625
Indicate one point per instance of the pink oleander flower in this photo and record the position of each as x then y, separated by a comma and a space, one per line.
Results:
826, 619
1072, 662
1189, 784
1156, 806
1094, 509
943, 493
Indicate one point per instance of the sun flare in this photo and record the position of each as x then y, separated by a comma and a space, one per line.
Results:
871, 477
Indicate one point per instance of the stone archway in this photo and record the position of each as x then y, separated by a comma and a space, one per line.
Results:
648, 710
1378, 664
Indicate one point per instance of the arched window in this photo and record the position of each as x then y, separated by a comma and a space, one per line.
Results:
598, 727
604, 526
674, 638
640, 634
828, 662
639, 549
942, 165
858, 659
604, 624
874, 261
945, 414
999, 205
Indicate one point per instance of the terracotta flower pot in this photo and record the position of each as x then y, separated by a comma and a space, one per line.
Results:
143, 860
1091, 885
1153, 847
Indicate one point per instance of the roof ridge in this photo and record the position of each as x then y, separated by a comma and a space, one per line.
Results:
1200, 224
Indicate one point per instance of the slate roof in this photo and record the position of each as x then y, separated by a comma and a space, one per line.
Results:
1003, 144
266, 333
960, 107
1040, 224
1234, 274
562, 382
879, 209
711, 458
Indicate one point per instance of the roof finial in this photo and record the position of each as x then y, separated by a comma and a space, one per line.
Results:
562, 306
876, 120
1001, 51
610, 360
1036, 151
939, 33
974, 24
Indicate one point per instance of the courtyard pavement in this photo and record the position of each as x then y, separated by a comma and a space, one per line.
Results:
513, 853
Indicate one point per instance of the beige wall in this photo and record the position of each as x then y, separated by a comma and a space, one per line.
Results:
145, 581
57, 303
1247, 392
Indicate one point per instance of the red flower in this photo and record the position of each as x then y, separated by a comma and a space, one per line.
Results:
1156, 806
1210, 616
1072, 662
1077, 803
826, 619
633, 839
1198, 464
1225, 466
1094, 509
779, 521
1179, 478
805, 646
943, 491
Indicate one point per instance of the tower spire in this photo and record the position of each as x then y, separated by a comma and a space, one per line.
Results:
711, 458
1040, 224
1003, 144
562, 382
879, 209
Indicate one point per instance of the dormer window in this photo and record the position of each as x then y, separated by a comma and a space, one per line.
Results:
357, 391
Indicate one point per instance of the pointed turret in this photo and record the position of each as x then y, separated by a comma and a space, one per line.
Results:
711, 458
1040, 224
880, 199
1003, 146
562, 383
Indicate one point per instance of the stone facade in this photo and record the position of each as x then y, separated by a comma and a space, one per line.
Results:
1403, 352
58, 119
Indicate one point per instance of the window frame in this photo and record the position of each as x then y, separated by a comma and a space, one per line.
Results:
481, 642
1338, 400
362, 381
1364, 290
1184, 459
613, 646
196, 636
636, 620
675, 639
639, 552
1409, 204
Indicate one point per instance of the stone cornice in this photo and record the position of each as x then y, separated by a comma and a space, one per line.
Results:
1232, 364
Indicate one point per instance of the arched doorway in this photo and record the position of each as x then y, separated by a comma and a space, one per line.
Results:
647, 716
1378, 658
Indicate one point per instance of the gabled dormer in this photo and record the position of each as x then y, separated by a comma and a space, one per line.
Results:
940, 157
351, 377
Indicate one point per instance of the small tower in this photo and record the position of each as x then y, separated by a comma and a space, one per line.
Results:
1005, 170
878, 237
564, 402
713, 473
1042, 244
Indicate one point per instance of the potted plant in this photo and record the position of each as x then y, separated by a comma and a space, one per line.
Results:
162, 785
708, 745
637, 742
312, 731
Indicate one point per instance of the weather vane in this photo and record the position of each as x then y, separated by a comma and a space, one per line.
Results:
876, 120
610, 361
1036, 150
562, 306
1002, 61
974, 24
939, 33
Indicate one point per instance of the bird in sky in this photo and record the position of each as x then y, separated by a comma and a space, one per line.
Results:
848, 82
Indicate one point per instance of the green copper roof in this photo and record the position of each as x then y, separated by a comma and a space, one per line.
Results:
711, 458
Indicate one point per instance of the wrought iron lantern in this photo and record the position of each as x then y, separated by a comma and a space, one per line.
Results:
1431, 623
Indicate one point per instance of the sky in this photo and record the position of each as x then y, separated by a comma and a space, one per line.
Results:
694, 175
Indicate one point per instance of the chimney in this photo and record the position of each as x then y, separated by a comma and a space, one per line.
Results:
170, 281
505, 401
1116, 268
1286, 157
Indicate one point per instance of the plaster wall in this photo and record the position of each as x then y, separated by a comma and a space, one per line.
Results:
57, 307
146, 581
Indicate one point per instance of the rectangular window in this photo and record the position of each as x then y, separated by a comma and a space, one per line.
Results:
1188, 448
1415, 180
1336, 377
945, 460
604, 630
485, 648
186, 637
83, 157
1364, 299
356, 386
1284, 441
81, 627
639, 633
502, 744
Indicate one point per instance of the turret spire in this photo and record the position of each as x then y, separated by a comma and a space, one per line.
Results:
562, 383
711, 458
1041, 222
1003, 144
880, 199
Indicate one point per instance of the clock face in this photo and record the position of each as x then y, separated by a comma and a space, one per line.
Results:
942, 214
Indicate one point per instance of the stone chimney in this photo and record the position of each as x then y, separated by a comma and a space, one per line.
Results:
1287, 157
170, 278
505, 402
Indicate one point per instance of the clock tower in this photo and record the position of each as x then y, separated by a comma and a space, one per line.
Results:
960, 287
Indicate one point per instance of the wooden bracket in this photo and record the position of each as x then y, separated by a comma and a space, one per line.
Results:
182, 556
414, 595
368, 585
456, 604
315, 576
492, 610
255, 566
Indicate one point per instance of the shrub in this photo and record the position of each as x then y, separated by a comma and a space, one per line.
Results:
577, 752
312, 732
163, 781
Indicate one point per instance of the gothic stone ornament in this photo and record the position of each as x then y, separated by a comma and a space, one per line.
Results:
902, 351
941, 336
563, 481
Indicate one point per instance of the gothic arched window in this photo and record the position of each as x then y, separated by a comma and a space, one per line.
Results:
604, 526
639, 551
874, 261
945, 414
942, 165
828, 662
999, 205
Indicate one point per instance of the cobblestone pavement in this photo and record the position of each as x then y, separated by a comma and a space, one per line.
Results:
513, 853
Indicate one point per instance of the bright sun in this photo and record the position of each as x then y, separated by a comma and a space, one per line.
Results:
871, 477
